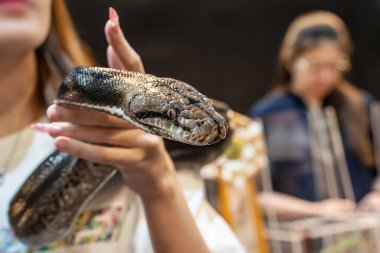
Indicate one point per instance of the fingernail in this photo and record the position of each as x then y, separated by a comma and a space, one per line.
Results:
39, 127
114, 17
54, 129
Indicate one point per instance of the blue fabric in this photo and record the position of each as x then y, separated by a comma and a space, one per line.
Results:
286, 128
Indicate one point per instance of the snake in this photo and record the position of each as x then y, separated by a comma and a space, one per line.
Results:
45, 207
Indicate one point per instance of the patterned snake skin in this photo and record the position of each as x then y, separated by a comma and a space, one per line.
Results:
47, 204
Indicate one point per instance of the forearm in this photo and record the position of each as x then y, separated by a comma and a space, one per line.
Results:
171, 225
287, 206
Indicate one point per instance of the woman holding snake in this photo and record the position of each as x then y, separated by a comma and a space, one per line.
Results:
145, 210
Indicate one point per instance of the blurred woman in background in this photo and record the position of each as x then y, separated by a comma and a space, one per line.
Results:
313, 59
38, 45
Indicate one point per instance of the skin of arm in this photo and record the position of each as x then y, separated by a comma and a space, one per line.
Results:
289, 207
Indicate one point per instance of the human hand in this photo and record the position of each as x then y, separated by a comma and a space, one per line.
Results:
98, 137
334, 208
370, 202
120, 54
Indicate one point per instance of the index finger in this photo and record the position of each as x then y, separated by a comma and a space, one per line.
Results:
85, 117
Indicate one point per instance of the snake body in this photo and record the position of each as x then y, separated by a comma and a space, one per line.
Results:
46, 205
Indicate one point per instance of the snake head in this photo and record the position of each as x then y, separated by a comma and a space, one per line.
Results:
163, 106
177, 111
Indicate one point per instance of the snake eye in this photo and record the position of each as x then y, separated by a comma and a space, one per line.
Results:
171, 113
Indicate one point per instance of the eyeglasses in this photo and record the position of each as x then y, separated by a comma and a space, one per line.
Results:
339, 66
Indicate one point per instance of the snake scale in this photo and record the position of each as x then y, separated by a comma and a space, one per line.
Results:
47, 204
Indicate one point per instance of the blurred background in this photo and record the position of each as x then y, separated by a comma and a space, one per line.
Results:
226, 49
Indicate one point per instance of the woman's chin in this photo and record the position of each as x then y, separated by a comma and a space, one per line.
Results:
21, 36
16, 44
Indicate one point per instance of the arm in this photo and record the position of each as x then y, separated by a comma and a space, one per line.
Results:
172, 227
168, 207
289, 207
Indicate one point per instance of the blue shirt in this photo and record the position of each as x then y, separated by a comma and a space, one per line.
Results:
287, 135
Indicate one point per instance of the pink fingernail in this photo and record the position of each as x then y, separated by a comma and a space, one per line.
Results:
39, 127
114, 17
54, 129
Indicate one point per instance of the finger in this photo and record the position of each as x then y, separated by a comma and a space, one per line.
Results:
115, 37
345, 206
113, 60
83, 116
114, 156
101, 135
350, 205
364, 207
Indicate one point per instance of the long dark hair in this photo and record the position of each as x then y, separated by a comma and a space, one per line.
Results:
308, 31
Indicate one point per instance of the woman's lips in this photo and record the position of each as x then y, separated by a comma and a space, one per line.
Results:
13, 5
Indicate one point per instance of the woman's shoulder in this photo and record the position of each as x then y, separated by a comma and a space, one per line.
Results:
275, 101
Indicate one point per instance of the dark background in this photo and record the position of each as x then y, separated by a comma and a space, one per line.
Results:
227, 49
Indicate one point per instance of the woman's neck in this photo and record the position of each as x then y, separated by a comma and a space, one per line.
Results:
19, 105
